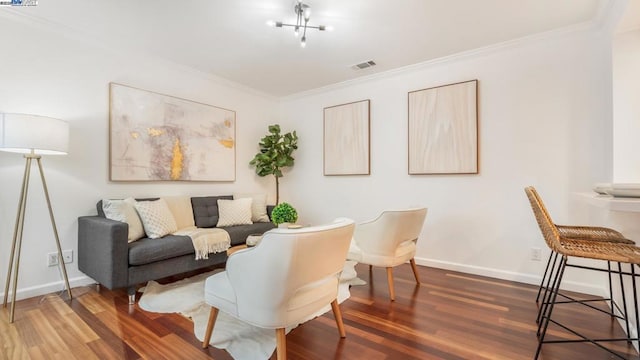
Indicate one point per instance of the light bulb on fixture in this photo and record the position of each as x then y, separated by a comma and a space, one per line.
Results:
271, 23
303, 15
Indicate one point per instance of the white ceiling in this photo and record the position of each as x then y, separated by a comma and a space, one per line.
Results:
230, 39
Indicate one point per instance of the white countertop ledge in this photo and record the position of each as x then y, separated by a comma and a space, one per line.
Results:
626, 204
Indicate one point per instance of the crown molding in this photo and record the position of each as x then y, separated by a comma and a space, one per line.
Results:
609, 15
461, 56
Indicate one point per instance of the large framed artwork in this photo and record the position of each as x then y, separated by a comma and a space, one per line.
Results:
346, 139
443, 129
160, 137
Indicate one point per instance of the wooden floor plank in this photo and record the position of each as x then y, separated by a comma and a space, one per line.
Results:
450, 316
50, 336
116, 345
12, 346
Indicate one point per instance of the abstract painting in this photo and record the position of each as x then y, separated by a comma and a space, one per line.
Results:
346, 139
443, 129
160, 137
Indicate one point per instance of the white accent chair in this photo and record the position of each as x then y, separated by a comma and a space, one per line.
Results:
284, 280
388, 241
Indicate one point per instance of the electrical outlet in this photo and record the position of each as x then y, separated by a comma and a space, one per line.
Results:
52, 257
67, 256
536, 254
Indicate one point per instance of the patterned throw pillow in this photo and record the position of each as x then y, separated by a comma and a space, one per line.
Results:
156, 218
234, 212
124, 211
258, 206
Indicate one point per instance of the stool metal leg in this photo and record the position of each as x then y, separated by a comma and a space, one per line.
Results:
624, 298
610, 289
635, 302
546, 294
550, 294
546, 270
547, 316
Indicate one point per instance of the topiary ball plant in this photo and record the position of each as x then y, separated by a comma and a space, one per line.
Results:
284, 213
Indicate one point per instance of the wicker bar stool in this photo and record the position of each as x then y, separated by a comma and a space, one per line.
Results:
568, 247
587, 233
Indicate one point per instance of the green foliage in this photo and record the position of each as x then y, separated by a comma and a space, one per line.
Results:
275, 152
284, 213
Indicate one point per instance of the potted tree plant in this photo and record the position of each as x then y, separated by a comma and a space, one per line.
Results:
275, 154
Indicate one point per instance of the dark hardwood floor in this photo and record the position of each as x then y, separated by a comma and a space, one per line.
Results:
450, 316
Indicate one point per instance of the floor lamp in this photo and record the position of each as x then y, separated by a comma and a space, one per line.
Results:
32, 136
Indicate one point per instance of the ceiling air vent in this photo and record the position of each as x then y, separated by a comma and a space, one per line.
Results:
364, 65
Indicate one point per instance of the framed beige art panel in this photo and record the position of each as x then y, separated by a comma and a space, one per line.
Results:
443, 129
346, 139
155, 137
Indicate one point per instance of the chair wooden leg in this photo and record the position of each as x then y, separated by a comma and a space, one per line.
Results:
281, 344
212, 320
338, 315
392, 293
415, 270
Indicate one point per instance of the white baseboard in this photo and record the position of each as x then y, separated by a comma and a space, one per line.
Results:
56, 286
510, 275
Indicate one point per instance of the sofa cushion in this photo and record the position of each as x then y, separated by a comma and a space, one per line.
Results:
101, 211
234, 212
258, 206
181, 209
156, 218
205, 210
146, 250
124, 211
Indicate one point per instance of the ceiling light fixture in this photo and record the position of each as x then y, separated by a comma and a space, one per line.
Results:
303, 14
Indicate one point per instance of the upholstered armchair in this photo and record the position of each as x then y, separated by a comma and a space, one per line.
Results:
283, 281
389, 241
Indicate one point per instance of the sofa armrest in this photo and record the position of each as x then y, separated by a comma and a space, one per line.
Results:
103, 250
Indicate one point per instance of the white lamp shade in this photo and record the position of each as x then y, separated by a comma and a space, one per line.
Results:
24, 133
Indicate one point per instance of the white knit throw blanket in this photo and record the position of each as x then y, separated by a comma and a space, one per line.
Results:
206, 241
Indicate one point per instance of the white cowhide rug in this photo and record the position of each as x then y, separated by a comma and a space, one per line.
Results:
241, 340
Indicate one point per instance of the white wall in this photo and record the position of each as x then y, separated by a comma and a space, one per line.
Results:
545, 120
48, 71
626, 107
626, 131
544, 114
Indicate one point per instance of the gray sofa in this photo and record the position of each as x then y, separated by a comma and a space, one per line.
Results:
105, 255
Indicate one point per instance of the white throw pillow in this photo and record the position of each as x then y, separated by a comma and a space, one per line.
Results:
258, 207
234, 212
123, 210
156, 218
